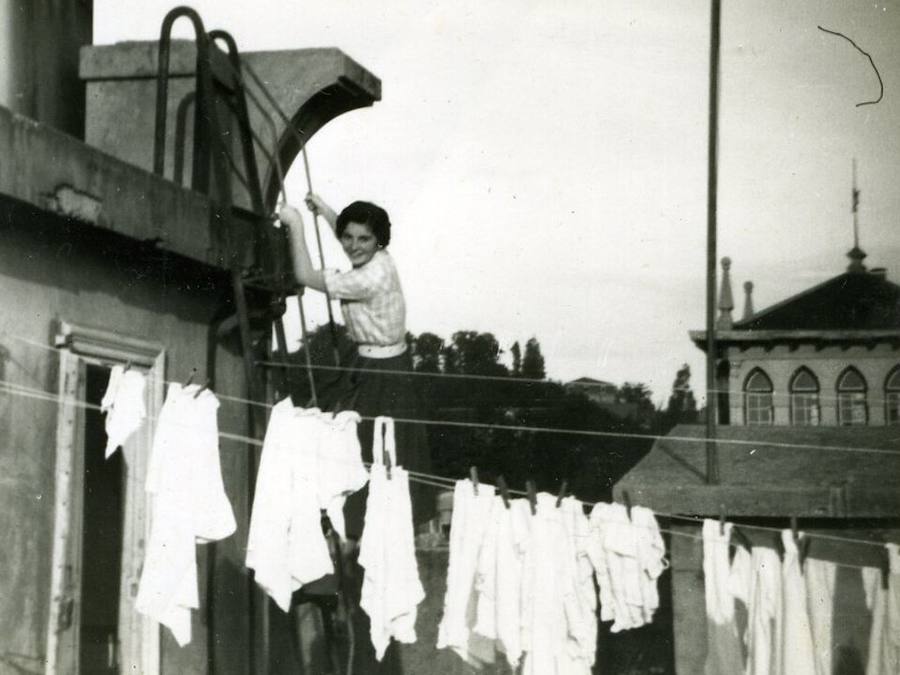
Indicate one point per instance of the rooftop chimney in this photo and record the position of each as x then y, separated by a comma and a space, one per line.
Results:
748, 301
880, 272
726, 300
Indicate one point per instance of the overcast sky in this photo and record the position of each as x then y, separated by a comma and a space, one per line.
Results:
544, 163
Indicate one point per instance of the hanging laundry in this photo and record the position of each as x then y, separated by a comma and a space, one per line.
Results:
188, 506
285, 545
884, 603
724, 654
795, 653
341, 471
470, 521
124, 406
740, 582
820, 577
581, 606
499, 578
549, 589
391, 589
628, 556
764, 621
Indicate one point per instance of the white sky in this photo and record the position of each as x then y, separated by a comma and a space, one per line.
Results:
544, 163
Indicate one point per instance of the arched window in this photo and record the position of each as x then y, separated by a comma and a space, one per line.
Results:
853, 410
804, 398
758, 408
892, 397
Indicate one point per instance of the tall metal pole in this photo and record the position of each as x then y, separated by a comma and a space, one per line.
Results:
712, 459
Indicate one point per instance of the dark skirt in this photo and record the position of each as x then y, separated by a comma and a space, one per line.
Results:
375, 387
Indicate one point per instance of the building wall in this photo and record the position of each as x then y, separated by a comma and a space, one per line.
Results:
54, 270
827, 363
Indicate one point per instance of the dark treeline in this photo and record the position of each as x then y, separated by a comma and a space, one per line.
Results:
590, 465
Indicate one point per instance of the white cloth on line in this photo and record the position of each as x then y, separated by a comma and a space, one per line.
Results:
820, 577
884, 603
628, 557
285, 545
470, 521
795, 646
341, 471
499, 579
124, 406
764, 608
724, 653
391, 589
581, 606
188, 506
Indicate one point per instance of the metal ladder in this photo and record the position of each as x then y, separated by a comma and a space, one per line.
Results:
265, 276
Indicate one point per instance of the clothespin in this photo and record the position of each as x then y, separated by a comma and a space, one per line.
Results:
562, 494
202, 389
627, 499
504, 490
721, 520
532, 496
127, 367
385, 455
190, 379
885, 569
794, 531
473, 476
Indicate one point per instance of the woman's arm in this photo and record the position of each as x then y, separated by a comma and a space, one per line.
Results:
317, 205
304, 271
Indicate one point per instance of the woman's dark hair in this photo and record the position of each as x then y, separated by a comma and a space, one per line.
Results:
366, 213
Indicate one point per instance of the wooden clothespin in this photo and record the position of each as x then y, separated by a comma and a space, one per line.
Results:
562, 494
721, 520
627, 499
794, 530
127, 367
531, 489
504, 490
473, 476
202, 389
190, 379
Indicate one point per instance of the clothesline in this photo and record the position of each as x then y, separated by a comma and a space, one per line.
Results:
756, 445
509, 379
436, 480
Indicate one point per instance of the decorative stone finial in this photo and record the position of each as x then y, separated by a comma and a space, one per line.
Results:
726, 300
748, 300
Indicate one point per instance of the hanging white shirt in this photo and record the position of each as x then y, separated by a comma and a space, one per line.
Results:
189, 506
499, 579
391, 589
723, 647
764, 620
124, 406
884, 603
285, 545
820, 577
340, 467
470, 521
796, 653
581, 605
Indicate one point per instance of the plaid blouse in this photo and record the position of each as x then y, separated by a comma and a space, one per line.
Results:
371, 301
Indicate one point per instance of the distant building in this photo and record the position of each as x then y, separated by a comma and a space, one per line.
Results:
827, 356
605, 395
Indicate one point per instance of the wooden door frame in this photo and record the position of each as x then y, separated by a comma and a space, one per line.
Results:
79, 346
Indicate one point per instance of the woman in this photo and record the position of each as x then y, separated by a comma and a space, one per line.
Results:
376, 379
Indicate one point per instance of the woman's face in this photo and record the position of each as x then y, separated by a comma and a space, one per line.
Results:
359, 243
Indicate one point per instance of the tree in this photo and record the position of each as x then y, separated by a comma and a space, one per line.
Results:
427, 350
682, 408
474, 353
533, 361
640, 395
516, 352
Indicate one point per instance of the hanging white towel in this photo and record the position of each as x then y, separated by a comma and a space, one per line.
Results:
820, 577
124, 406
580, 605
391, 589
796, 653
189, 506
340, 465
884, 603
285, 545
470, 521
764, 621
628, 556
723, 647
499, 579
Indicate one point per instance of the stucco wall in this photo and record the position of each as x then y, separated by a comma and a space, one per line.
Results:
52, 270
826, 363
